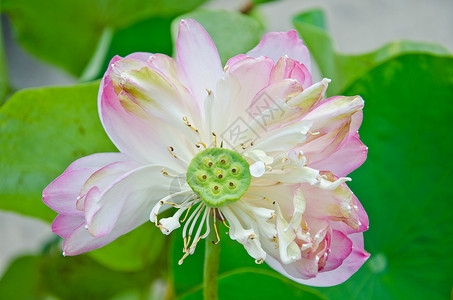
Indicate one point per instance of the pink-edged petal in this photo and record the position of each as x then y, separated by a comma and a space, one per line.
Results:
64, 225
351, 155
362, 216
234, 60
165, 64
334, 112
125, 198
104, 177
330, 278
243, 81
197, 59
335, 205
61, 194
349, 266
340, 248
289, 68
80, 240
305, 268
137, 137
280, 44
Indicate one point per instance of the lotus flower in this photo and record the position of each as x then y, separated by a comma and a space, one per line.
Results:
254, 145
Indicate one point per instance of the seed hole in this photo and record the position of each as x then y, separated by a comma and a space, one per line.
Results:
210, 163
223, 161
231, 183
220, 176
234, 170
204, 176
216, 187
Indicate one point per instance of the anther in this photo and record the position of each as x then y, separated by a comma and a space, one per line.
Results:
171, 149
283, 162
216, 233
215, 139
199, 144
186, 121
259, 261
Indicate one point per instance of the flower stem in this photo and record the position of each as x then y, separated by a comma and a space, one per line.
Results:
211, 267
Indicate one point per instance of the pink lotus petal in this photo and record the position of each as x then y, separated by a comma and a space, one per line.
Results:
197, 59
64, 225
349, 266
134, 136
288, 68
346, 159
281, 44
340, 248
234, 60
61, 194
135, 191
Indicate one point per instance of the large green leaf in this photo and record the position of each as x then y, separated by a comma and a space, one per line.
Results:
233, 33
407, 89
405, 183
58, 277
41, 132
245, 284
345, 69
67, 33
4, 82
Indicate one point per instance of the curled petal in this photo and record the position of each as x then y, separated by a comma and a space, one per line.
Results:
281, 44
289, 68
61, 194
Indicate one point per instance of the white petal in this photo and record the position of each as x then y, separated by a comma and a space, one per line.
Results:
257, 169
288, 249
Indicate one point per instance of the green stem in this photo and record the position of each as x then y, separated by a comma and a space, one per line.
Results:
211, 267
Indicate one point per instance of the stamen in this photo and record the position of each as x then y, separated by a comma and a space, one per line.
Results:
171, 149
283, 162
223, 218
186, 121
259, 261
313, 133
267, 199
215, 139
184, 230
199, 144
187, 213
216, 231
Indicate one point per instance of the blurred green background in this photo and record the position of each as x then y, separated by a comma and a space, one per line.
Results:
395, 54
